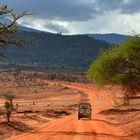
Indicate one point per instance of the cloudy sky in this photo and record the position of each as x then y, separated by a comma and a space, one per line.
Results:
80, 16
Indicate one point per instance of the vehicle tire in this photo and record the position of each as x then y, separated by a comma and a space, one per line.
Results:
78, 118
88, 110
81, 110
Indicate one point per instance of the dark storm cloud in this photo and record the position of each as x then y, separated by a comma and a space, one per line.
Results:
69, 10
121, 6
79, 12
74, 10
133, 6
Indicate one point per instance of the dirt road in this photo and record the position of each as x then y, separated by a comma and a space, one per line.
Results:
70, 128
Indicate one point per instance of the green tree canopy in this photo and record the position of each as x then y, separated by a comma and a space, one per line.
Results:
119, 65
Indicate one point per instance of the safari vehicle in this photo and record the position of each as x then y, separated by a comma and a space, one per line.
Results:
84, 109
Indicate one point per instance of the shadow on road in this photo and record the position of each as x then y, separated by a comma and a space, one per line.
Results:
72, 133
111, 123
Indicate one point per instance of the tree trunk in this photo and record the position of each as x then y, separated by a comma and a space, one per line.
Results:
8, 117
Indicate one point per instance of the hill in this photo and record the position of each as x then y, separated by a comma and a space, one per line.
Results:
110, 38
56, 51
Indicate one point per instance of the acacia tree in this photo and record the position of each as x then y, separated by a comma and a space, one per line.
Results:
9, 30
119, 65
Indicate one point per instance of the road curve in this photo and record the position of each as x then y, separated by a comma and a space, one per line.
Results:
70, 128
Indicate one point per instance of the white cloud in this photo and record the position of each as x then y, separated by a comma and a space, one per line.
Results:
116, 23
45, 25
119, 23
81, 16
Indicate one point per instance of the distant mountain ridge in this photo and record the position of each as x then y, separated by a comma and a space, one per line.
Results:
55, 50
112, 38
28, 29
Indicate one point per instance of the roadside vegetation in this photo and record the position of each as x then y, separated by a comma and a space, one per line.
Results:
39, 101
120, 66
9, 107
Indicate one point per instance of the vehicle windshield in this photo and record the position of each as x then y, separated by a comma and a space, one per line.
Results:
84, 106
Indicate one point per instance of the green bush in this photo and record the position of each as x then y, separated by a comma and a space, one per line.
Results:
9, 107
119, 65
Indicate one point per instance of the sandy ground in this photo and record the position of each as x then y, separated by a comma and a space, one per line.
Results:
62, 97
69, 128
38, 103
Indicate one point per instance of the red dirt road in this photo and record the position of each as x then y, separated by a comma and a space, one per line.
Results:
70, 128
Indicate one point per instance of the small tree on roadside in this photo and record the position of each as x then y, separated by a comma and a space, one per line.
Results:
9, 107
119, 65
